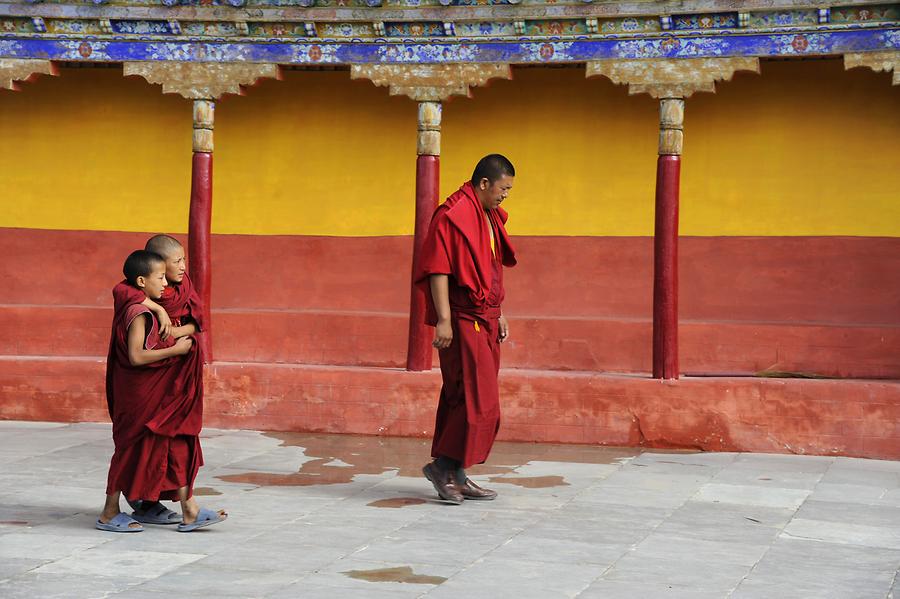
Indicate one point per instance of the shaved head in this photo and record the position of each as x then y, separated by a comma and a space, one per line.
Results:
140, 263
164, 245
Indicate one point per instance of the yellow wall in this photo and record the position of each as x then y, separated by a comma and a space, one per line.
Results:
803, 149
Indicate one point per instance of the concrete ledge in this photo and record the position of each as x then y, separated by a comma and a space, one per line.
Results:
828, 417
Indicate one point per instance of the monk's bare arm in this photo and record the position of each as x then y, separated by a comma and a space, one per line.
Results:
440, 294
184, 330
138, 355
165, 323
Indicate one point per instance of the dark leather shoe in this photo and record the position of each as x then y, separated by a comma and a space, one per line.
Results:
472, 491
444, 482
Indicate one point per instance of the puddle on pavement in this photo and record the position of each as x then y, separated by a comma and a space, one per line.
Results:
532, 482
338, 459
397, 502
401, 574
517, 454
206, 491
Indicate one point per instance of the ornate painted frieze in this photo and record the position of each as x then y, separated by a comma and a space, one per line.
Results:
705, 21
346, 30
416, 29
628, 25
486, 29
555, 28
783, 18
342, 32
213, 29
865, 14
310, 53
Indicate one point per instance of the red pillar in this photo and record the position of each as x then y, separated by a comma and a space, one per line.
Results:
199, 237
428, 170
665, 269
419, 351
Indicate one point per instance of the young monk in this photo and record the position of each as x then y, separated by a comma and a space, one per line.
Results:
461, 271
179, 313
155, 403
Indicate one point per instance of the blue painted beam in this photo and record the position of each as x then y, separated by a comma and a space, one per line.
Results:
805, 43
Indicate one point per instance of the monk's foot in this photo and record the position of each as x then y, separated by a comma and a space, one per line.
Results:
191, 517
107, 518
470, 490
444, 482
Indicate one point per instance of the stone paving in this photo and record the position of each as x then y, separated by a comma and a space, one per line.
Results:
346, 516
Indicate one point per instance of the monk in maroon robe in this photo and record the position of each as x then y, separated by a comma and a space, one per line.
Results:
155, 400
461, 272
179, 311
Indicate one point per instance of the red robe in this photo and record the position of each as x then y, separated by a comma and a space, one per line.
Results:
180, 301
156, 410
458, 244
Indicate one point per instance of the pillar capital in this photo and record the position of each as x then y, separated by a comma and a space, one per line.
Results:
430, 82
202, 81
671, 77
429, 139
15, 70
887, 60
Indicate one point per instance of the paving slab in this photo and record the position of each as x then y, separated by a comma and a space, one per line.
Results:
809, 568
335, 516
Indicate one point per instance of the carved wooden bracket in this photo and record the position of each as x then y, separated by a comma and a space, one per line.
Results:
671, 77
15, 70
888, 60
430, 82
202, 81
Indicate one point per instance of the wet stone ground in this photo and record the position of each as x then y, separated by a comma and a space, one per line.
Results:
347, 516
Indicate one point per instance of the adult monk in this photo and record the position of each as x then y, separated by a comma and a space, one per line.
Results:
155, 401
180, 314
461, 271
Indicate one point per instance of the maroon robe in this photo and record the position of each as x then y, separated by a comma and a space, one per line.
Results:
458, 244
180, 301
156, 410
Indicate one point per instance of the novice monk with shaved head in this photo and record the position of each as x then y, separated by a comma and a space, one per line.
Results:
155, 401
180, 314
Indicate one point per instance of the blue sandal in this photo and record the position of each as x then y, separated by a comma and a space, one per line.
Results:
157, 513
206, 517
121, 523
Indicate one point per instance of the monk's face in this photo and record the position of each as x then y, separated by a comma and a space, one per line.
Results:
493, 194
154, 283
175, 266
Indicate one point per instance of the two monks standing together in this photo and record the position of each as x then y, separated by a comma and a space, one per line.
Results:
154, 391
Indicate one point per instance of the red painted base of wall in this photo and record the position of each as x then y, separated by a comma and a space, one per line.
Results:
828, 417
828, 306
379, 339
300, 322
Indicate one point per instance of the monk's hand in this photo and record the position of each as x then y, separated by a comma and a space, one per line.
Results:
183, 345
443, 334
504, 329
165, 323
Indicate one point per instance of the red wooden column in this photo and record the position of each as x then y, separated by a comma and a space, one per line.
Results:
200, 217
665, 246
428, 170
